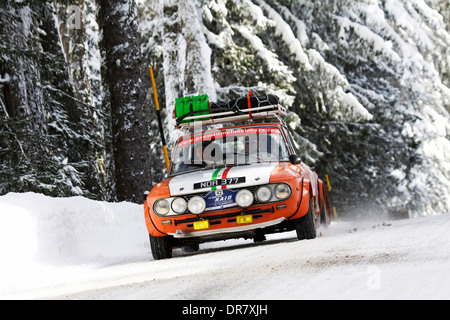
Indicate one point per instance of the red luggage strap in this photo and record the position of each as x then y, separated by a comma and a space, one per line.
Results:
210, 111
250, 94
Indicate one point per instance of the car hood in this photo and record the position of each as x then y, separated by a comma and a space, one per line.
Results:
221, 178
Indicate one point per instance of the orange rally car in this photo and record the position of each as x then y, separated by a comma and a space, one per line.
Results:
235, 182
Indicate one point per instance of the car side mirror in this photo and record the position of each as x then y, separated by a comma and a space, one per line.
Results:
145, 195
295, 159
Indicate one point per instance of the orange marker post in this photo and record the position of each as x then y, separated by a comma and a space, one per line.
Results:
158, 113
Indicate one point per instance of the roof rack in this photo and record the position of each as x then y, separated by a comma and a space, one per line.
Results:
190, 111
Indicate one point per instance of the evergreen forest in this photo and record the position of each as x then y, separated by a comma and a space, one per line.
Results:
366, 84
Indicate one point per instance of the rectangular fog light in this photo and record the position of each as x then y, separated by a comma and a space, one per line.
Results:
244, 219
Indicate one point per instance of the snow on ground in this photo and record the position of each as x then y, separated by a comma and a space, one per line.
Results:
75, 248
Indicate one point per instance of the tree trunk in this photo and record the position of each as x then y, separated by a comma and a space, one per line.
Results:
124, 95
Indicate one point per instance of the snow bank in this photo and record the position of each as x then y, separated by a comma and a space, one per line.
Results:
35, 229
47, 241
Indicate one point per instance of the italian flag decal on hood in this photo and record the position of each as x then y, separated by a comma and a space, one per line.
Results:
222, 178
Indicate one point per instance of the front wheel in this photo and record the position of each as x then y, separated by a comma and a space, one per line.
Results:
306, 226
161, 247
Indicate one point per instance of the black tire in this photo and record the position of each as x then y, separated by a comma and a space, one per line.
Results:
305, 226
161, 247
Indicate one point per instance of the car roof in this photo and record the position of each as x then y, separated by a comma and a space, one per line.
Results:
233, 127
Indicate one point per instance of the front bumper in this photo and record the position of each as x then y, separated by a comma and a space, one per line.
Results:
228, 230
224, 224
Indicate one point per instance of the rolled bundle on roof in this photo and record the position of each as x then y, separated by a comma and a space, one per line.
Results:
190, 109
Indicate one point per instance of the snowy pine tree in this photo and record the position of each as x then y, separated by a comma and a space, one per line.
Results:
45, 138
366, 83
56, 135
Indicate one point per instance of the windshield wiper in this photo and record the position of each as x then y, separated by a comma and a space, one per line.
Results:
247, 154
225, 165
238, 164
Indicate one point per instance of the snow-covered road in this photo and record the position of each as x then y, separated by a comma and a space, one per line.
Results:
407, 259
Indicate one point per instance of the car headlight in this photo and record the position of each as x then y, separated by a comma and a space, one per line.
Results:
282, 191
263, 194
244, 198
179, 205
196, 205
162, 207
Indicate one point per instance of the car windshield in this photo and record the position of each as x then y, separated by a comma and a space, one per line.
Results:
228, 147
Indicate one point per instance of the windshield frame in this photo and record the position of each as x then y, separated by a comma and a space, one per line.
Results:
283, 140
